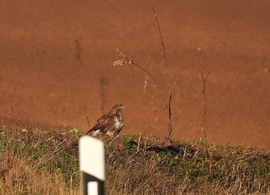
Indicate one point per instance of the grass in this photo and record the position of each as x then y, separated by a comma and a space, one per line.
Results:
45, 161
35, 161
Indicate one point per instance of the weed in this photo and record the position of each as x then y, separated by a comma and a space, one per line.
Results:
167, 93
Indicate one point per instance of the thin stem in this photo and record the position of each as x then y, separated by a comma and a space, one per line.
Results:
204, 79
170, 118
12, 107
164, 50
86, 115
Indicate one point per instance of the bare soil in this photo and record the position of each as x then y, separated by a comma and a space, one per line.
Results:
58, 55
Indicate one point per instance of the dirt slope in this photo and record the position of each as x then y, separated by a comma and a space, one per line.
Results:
58, 56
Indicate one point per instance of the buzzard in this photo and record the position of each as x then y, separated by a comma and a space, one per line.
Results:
110, 124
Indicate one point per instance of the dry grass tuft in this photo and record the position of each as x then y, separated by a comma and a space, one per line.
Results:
21, 175
35, 161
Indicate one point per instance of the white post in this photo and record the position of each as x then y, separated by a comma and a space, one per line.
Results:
92, 166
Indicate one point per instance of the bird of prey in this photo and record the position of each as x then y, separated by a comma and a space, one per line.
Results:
110, 124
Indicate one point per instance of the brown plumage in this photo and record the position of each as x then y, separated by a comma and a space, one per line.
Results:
110, 124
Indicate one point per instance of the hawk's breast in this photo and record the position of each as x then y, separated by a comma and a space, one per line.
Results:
118, 123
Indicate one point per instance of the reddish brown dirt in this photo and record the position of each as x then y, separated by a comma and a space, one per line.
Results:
58, 56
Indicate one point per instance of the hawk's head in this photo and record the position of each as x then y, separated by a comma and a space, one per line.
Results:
116, 108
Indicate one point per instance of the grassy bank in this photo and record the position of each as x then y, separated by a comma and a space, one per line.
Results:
45, 161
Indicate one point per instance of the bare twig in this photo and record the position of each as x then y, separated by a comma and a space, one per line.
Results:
125, 60
170, 118
204, 79
145, 83
169, 88
12, 107
103, 85
164, 50
86, 115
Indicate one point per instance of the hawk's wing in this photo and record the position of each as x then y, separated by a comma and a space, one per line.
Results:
103, 122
